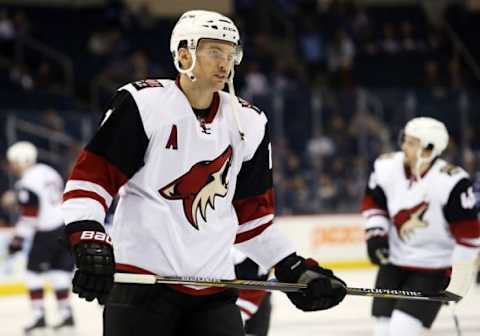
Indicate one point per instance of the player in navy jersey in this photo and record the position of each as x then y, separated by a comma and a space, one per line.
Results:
421, 219
39, 195
192, 167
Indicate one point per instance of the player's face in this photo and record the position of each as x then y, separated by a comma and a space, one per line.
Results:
214, 62
15, 169
410, 147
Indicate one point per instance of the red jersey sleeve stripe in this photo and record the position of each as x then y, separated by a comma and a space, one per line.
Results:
374, 212
96, 169
244, 236
254, 207
465, 229
85, 194
368, 203
28, 211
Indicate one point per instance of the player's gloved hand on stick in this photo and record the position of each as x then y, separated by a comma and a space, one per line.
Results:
95, 262
16, 245
324, 289
377, 246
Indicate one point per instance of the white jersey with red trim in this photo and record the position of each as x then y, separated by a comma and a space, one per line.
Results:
39, 196
425, 219
189, 186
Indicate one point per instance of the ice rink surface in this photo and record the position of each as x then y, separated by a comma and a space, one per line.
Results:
350, 318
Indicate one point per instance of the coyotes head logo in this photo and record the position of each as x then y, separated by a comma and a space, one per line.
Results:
407, 220
198, 187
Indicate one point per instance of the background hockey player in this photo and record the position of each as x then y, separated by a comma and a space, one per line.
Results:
421, 219
39, 195
255, 305
192, 166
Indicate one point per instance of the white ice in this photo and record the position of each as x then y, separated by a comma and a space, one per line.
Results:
350, 318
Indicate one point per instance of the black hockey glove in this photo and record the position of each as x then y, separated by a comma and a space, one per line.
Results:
377, 246
95, 262
15, 245
324, 289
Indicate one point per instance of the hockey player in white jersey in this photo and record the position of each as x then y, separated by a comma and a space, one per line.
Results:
421, 220
192, 167
39, 197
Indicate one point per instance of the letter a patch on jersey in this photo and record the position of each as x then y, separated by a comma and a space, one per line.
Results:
172, 139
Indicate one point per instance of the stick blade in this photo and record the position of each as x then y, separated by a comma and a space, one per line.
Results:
452, 297
403, 294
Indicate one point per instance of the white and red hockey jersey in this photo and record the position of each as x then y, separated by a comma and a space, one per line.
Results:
39, 196
427, 219
189, 189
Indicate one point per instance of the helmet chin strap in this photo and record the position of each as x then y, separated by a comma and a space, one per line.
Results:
234, 99
421, 161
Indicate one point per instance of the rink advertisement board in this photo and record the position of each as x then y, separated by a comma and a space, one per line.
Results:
333, 240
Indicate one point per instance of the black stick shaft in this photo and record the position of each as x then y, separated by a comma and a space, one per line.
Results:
281, 286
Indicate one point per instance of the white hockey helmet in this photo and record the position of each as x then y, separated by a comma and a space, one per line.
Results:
195, 25
22, 153
432, 134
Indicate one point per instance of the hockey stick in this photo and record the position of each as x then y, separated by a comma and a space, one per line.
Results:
281, 286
